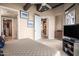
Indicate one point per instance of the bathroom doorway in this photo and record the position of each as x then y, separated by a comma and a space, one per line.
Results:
7, 28
44, 32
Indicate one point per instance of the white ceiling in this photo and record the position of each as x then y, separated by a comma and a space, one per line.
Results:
16, 6
8, 12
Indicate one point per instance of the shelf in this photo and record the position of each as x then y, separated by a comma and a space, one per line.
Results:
67, 44
68, 47
69, 53
68, 41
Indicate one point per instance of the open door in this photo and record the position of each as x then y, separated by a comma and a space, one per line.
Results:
44, 32
7, 29
37, 27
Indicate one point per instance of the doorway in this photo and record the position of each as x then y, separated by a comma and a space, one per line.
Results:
7, 28
44, 28
41, 28
9, 23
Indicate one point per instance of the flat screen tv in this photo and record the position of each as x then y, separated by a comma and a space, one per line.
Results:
71, 31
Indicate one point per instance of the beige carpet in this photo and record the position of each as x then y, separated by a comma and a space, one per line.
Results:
54, 44
28, 47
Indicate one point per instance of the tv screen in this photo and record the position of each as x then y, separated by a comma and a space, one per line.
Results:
71, 31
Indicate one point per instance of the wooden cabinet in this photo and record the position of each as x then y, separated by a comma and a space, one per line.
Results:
58, 34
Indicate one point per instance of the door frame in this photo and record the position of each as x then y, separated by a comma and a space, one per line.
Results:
18, 14
46, 17
2, 23
48, 20
12, 25
47, 26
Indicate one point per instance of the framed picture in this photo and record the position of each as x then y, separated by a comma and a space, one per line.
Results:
30, 24
70, 18
24, 14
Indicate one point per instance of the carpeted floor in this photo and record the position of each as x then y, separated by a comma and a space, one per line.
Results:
28, 47
54, 44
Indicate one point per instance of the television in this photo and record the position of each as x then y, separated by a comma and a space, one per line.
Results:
71, 31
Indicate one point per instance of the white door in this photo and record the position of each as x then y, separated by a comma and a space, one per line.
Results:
37, 27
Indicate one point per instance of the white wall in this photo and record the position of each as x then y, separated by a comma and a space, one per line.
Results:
77, 14
0, 23
47, 14
14, 28
22, 28
24, 32
59, 22
52, 27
